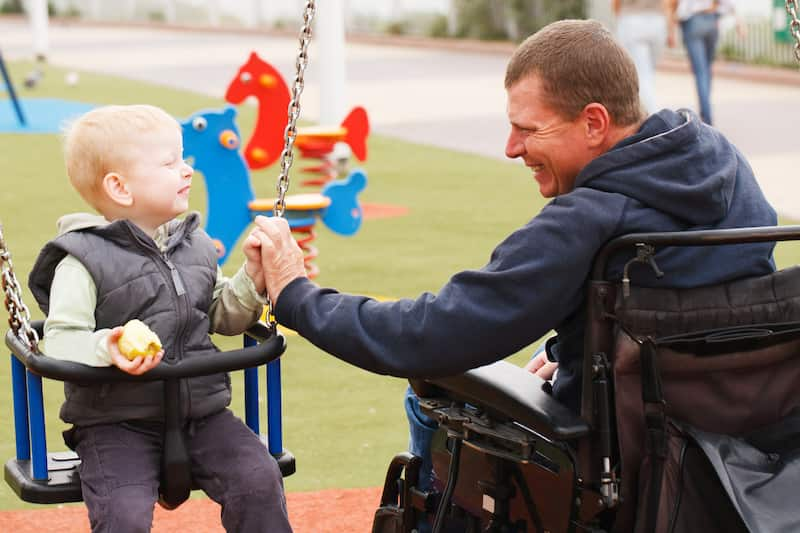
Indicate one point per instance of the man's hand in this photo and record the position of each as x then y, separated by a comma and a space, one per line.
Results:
541, 366
672, 39
252, 265
281, 257
137, 366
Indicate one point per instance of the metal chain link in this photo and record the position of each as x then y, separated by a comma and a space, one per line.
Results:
19, 317
290, 133
794, 25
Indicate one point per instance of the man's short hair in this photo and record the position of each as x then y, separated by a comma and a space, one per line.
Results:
579, 62
100, 142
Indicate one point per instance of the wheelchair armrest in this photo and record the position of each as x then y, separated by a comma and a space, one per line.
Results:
270, 349
512, 393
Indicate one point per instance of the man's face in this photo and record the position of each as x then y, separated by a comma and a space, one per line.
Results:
554, 148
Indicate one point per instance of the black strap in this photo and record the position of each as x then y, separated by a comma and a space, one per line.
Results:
651, 380
655, 421
449, 487
176, 477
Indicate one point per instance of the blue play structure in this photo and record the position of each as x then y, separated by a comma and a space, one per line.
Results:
11, 93
34, 115
212, 139
42, 115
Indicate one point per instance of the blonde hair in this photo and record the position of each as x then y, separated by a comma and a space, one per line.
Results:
579, 62
99, 142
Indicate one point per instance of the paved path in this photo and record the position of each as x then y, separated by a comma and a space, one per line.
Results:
452, 98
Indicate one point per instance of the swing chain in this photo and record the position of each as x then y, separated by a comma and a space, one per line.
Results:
794, 25
19, 317
290, 133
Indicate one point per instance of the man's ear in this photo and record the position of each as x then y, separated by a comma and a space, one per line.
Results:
116, 188
597, 123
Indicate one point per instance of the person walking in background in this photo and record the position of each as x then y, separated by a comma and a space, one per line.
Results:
642, 30
699, 22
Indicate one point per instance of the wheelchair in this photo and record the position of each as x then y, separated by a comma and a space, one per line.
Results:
690, 416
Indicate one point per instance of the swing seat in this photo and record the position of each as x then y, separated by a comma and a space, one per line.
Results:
690, 418
62, 485
42, 477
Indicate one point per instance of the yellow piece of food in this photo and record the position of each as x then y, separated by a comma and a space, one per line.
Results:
137, 339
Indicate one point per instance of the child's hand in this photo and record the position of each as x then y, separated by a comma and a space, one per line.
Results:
252, 265
137, 366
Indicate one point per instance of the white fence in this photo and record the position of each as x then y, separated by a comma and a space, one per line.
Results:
248, 13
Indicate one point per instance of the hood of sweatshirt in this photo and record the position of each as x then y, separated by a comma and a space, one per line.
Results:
702, 167
79, 221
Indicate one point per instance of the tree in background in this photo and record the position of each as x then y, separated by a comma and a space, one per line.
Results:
11, 6
511, 19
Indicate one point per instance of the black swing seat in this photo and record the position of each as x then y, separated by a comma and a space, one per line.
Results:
61, 486
63, 482
690, 418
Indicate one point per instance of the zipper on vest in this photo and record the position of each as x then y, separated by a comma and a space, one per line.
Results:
185, 310
176, 277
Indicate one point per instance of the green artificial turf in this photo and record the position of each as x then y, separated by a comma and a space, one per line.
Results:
343, 424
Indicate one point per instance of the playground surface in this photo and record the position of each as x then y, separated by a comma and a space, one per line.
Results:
326, 511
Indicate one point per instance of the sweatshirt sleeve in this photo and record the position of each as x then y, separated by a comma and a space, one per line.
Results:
532, 283
69, 330
235, 305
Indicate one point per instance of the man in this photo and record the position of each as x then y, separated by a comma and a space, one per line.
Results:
577, 123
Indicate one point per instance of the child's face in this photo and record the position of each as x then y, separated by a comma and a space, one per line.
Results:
158, 177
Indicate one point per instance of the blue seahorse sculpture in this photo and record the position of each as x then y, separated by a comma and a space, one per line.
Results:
211, 141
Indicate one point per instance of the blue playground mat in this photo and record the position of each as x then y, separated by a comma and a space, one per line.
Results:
42, 115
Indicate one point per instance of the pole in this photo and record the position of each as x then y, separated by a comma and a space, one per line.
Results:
130, 10
37, 13
330, 47
170, 11
11, 93
212, 8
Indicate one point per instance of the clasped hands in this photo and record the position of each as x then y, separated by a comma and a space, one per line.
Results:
272, 260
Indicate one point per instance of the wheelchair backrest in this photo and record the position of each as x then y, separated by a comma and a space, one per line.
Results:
727, 356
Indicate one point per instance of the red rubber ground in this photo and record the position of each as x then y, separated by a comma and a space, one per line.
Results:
326, 511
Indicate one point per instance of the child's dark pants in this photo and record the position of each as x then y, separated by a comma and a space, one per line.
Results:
120, 474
